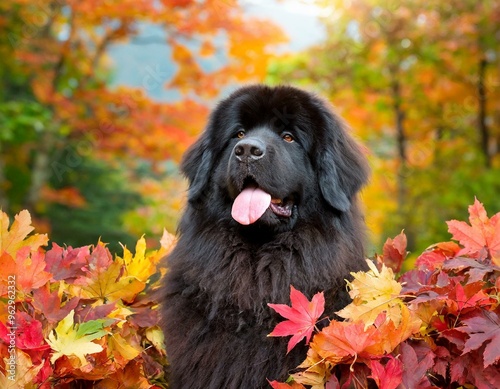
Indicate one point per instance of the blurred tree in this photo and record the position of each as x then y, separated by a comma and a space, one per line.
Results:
89, 202
419, 82
54, 95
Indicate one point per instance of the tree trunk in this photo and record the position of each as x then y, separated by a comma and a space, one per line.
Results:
402, 153
40, 172
399, 117
4, 201
481, 113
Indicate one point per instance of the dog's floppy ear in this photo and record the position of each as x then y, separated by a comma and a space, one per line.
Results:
342, 166
196, 166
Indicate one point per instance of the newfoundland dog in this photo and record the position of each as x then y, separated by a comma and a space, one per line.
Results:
273, 183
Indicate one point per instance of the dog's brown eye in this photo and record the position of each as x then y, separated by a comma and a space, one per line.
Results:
288, 138
240, 134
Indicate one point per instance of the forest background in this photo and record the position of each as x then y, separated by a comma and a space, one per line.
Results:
417, 81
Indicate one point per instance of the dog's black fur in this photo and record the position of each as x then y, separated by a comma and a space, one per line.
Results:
221, 275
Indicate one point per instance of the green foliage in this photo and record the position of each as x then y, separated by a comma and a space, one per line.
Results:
107, 197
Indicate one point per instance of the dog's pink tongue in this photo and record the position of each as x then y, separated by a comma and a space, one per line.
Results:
250, 205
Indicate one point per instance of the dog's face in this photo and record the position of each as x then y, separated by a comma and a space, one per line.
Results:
272, 156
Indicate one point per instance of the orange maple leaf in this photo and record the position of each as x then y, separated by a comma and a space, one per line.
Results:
302, 317
342, 341
482, 234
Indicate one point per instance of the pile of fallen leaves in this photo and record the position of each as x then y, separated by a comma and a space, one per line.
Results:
437, 326
79, 315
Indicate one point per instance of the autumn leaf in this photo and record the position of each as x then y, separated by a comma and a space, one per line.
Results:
415, 368
387, 376
314, 371
341, 341
11, 240
482, 234
132, 376
50, 305
157, 338
105, 280
483, 329
466, 297
142, 265
394, 252
67, 264
72, 339
302, 316
436, 255
284, 385
125, 349
390, 334
30, 269
29, 333
373, 292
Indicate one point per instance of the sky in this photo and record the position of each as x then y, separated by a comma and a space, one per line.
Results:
144, 62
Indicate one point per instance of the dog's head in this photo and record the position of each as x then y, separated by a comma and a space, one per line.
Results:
271, 155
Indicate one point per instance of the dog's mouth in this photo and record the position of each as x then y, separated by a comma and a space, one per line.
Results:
281, 207
252, 202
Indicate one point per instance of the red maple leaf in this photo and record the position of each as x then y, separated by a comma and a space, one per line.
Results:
302, 317
434, 257
387, 376
67, 264
483, 329
395, 252
466, 297
416, 362
50, 304
482, 234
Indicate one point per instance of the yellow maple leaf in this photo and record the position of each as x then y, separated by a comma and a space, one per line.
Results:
109, 285
139, 265
71, 339
127, 349
15, 238
142, 265
373, 292
156, 336
317, 371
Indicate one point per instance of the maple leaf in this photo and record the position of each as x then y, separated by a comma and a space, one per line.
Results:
302, 316
15, 238
394, 252
142, 266
482, 233
434, 256
340, 341
30, 273
67, 264
415, 369
49, 303
284, 385
124, 348
387, 376
71, 339
132, 376
104, 278
476, 270
483, 329
157, 338
373, 292
391, 335
29, 333
466, 297
314, 371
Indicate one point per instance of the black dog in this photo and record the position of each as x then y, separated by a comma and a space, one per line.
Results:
272, 203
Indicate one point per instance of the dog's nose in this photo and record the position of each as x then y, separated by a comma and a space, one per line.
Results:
249, 149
